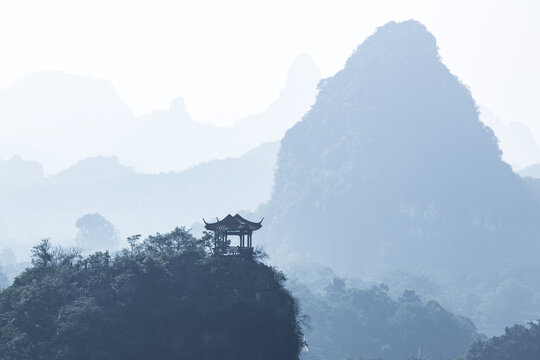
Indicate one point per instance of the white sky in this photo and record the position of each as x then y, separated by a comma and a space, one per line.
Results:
230, 58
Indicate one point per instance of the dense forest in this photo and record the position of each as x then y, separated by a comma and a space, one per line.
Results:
518, 342
166, 297
348, 322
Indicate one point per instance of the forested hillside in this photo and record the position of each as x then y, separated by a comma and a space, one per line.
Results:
349, 322
518, 342
164, 298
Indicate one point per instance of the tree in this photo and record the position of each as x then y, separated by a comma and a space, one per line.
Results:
175, 242
42, 255
96, 233
133, 241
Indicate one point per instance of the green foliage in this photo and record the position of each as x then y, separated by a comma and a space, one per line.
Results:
518, 342
42, 254
349, 322
164, 298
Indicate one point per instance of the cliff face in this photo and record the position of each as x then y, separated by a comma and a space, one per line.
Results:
391, 168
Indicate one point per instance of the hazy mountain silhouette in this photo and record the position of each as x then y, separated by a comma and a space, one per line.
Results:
531, 171
518, 145
52, 111
133, 202
391, 168
17, 171
95, 170
171, 140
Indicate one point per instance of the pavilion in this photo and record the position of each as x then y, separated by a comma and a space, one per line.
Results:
234, 225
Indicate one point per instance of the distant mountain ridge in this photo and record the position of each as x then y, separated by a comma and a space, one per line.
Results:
52, 111
532, 171
57, 111
171, 140
34, 206
516, 140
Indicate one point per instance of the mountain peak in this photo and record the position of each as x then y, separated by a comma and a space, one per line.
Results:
303, 67
396, 40
93, 170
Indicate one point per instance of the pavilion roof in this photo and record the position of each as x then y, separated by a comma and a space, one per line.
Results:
233, 224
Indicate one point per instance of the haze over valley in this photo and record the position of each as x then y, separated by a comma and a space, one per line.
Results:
383, 211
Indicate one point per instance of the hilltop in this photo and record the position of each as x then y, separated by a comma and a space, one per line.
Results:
164, 298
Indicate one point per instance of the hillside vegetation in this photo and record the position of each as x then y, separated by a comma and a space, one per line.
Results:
164, 298
518, 342
347, 322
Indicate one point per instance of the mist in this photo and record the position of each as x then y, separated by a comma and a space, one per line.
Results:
300, 181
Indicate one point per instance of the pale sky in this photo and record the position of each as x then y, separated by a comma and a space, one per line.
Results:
230, 58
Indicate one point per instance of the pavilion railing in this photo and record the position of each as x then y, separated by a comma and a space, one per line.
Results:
237, 250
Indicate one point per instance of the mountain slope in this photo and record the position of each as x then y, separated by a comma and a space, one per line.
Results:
391, 168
